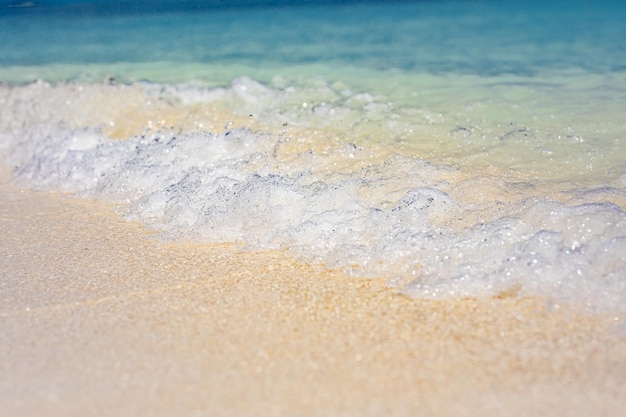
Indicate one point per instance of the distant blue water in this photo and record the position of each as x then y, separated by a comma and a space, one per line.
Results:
475, 37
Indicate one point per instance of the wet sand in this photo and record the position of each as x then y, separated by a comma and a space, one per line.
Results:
100, 317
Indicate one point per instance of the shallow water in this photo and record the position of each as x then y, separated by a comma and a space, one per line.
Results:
456, 149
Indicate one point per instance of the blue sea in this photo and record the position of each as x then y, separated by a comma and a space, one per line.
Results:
452, 148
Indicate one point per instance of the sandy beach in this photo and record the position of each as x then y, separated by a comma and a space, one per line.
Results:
100, 317
302, 208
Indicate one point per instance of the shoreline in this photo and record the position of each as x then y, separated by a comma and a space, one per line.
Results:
97, 316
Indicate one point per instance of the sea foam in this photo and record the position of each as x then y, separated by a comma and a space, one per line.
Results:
433, 230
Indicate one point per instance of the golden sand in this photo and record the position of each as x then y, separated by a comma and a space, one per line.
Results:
99, 317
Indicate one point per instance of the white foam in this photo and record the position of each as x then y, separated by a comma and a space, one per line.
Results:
433, 230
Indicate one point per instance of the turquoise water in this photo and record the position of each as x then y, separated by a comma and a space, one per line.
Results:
455, 149
464, 37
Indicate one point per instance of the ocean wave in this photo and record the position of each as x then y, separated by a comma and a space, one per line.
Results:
433, 230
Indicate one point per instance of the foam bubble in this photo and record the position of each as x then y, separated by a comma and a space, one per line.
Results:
433, 230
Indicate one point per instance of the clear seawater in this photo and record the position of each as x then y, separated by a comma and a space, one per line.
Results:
453, 148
